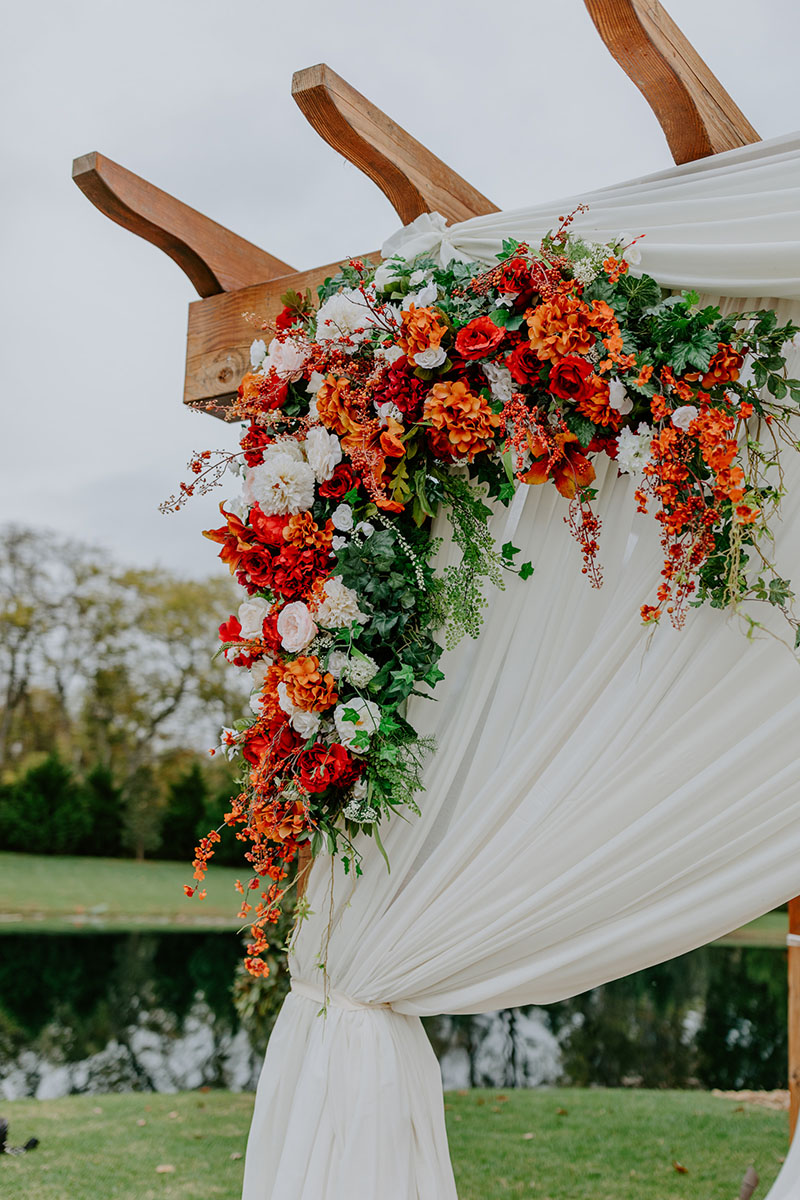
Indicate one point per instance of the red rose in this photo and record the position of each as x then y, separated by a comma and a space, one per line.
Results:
286, 318
284, 742
255, 745
603, 445
230, 630
268, 530
515, 277
479, 338
569, 378
340, 483
253, 443
524, 364
255, 570
323, 766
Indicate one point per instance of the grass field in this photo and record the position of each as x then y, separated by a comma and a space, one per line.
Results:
551, 1144
52, 894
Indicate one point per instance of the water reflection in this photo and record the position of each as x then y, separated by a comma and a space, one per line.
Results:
154, 1011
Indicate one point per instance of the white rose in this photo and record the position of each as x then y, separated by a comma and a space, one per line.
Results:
389, 354
323, 451
337, 661
342, 518
251, 616
501, 384
339, 606
385, 274
618, 398
419, 276
287, 358
360, 789
315, 382
257, 351
683, 416
368, 721
284, 702
296, 627
433, 357
423, 297
365, 529
305, 723
344, 313
386, 410
282, 485
338, 543
258, 673
632, 255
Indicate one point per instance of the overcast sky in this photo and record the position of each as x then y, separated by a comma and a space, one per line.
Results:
521, 98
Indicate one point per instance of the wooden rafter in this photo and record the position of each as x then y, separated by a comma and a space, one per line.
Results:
215, 259
694, 110
413, 179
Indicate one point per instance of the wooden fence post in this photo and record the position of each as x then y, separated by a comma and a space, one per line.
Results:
794, 1013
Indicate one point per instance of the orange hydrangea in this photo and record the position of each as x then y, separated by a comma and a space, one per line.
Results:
466, 419
559, 327
596, 407
303, 532
307, 687
421, 330
724, 367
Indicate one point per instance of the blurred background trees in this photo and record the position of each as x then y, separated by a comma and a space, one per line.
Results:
110, 697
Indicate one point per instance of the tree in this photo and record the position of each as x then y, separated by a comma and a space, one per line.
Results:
185, 814
142, 812
46, 811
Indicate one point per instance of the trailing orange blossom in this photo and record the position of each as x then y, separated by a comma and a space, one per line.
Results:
411, 389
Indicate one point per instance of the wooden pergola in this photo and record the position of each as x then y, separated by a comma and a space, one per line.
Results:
233, 277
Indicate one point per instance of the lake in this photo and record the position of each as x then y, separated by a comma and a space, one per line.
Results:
104, 1012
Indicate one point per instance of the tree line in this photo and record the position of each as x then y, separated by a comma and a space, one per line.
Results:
110, 696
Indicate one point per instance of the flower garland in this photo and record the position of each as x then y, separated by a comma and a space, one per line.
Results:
413, 388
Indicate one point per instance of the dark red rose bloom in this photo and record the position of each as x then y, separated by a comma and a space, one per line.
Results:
323, 766
342, 481
255, 570
524, 364
269, 632
515, 277
440, 445
230, 630
295, 571
255, 745
282, 738
479, 339
400, 386
569, 378
268, 530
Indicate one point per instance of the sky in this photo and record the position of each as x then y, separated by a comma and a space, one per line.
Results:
193, 95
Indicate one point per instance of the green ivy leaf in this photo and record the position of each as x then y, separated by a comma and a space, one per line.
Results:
526, 570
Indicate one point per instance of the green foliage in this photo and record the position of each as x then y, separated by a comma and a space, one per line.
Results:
45, 810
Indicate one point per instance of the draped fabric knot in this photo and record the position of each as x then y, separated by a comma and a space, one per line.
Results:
429, 235
333, 999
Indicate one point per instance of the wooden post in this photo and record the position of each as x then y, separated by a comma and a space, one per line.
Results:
794, 1013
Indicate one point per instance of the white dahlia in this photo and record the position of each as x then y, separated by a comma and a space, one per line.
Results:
339, 606
324, 451
281, 485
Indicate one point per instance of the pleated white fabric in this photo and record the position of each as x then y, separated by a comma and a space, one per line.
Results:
601, 799
726, 224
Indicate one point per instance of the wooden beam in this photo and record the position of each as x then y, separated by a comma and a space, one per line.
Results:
694, 110
794, 1014
215, 259
221, 329
414, 180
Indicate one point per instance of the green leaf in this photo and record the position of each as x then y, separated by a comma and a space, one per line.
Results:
526, 570
509, 550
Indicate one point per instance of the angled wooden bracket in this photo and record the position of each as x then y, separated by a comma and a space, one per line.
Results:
215, 259
241, 285
694, 110
413, 179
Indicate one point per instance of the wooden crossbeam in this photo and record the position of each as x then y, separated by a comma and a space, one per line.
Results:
215, 259
693, 108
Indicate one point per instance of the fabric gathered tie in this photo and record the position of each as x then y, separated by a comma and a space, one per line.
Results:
428, 235
333, 998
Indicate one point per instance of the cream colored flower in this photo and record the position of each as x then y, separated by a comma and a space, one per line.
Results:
281, 485
251, 616
296, 627
368, 719
339, 606
324, 451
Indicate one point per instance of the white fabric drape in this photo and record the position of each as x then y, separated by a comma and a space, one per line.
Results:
601, 799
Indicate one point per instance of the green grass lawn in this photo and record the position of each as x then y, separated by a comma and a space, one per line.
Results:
53, 894
550, 1144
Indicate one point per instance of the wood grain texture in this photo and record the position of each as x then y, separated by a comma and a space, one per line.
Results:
794, 1017
413, 179
220, 333
215, 259
694, 110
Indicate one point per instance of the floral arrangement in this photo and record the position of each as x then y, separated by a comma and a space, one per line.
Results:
410, 389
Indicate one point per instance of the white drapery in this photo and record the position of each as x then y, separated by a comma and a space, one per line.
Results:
601, 799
